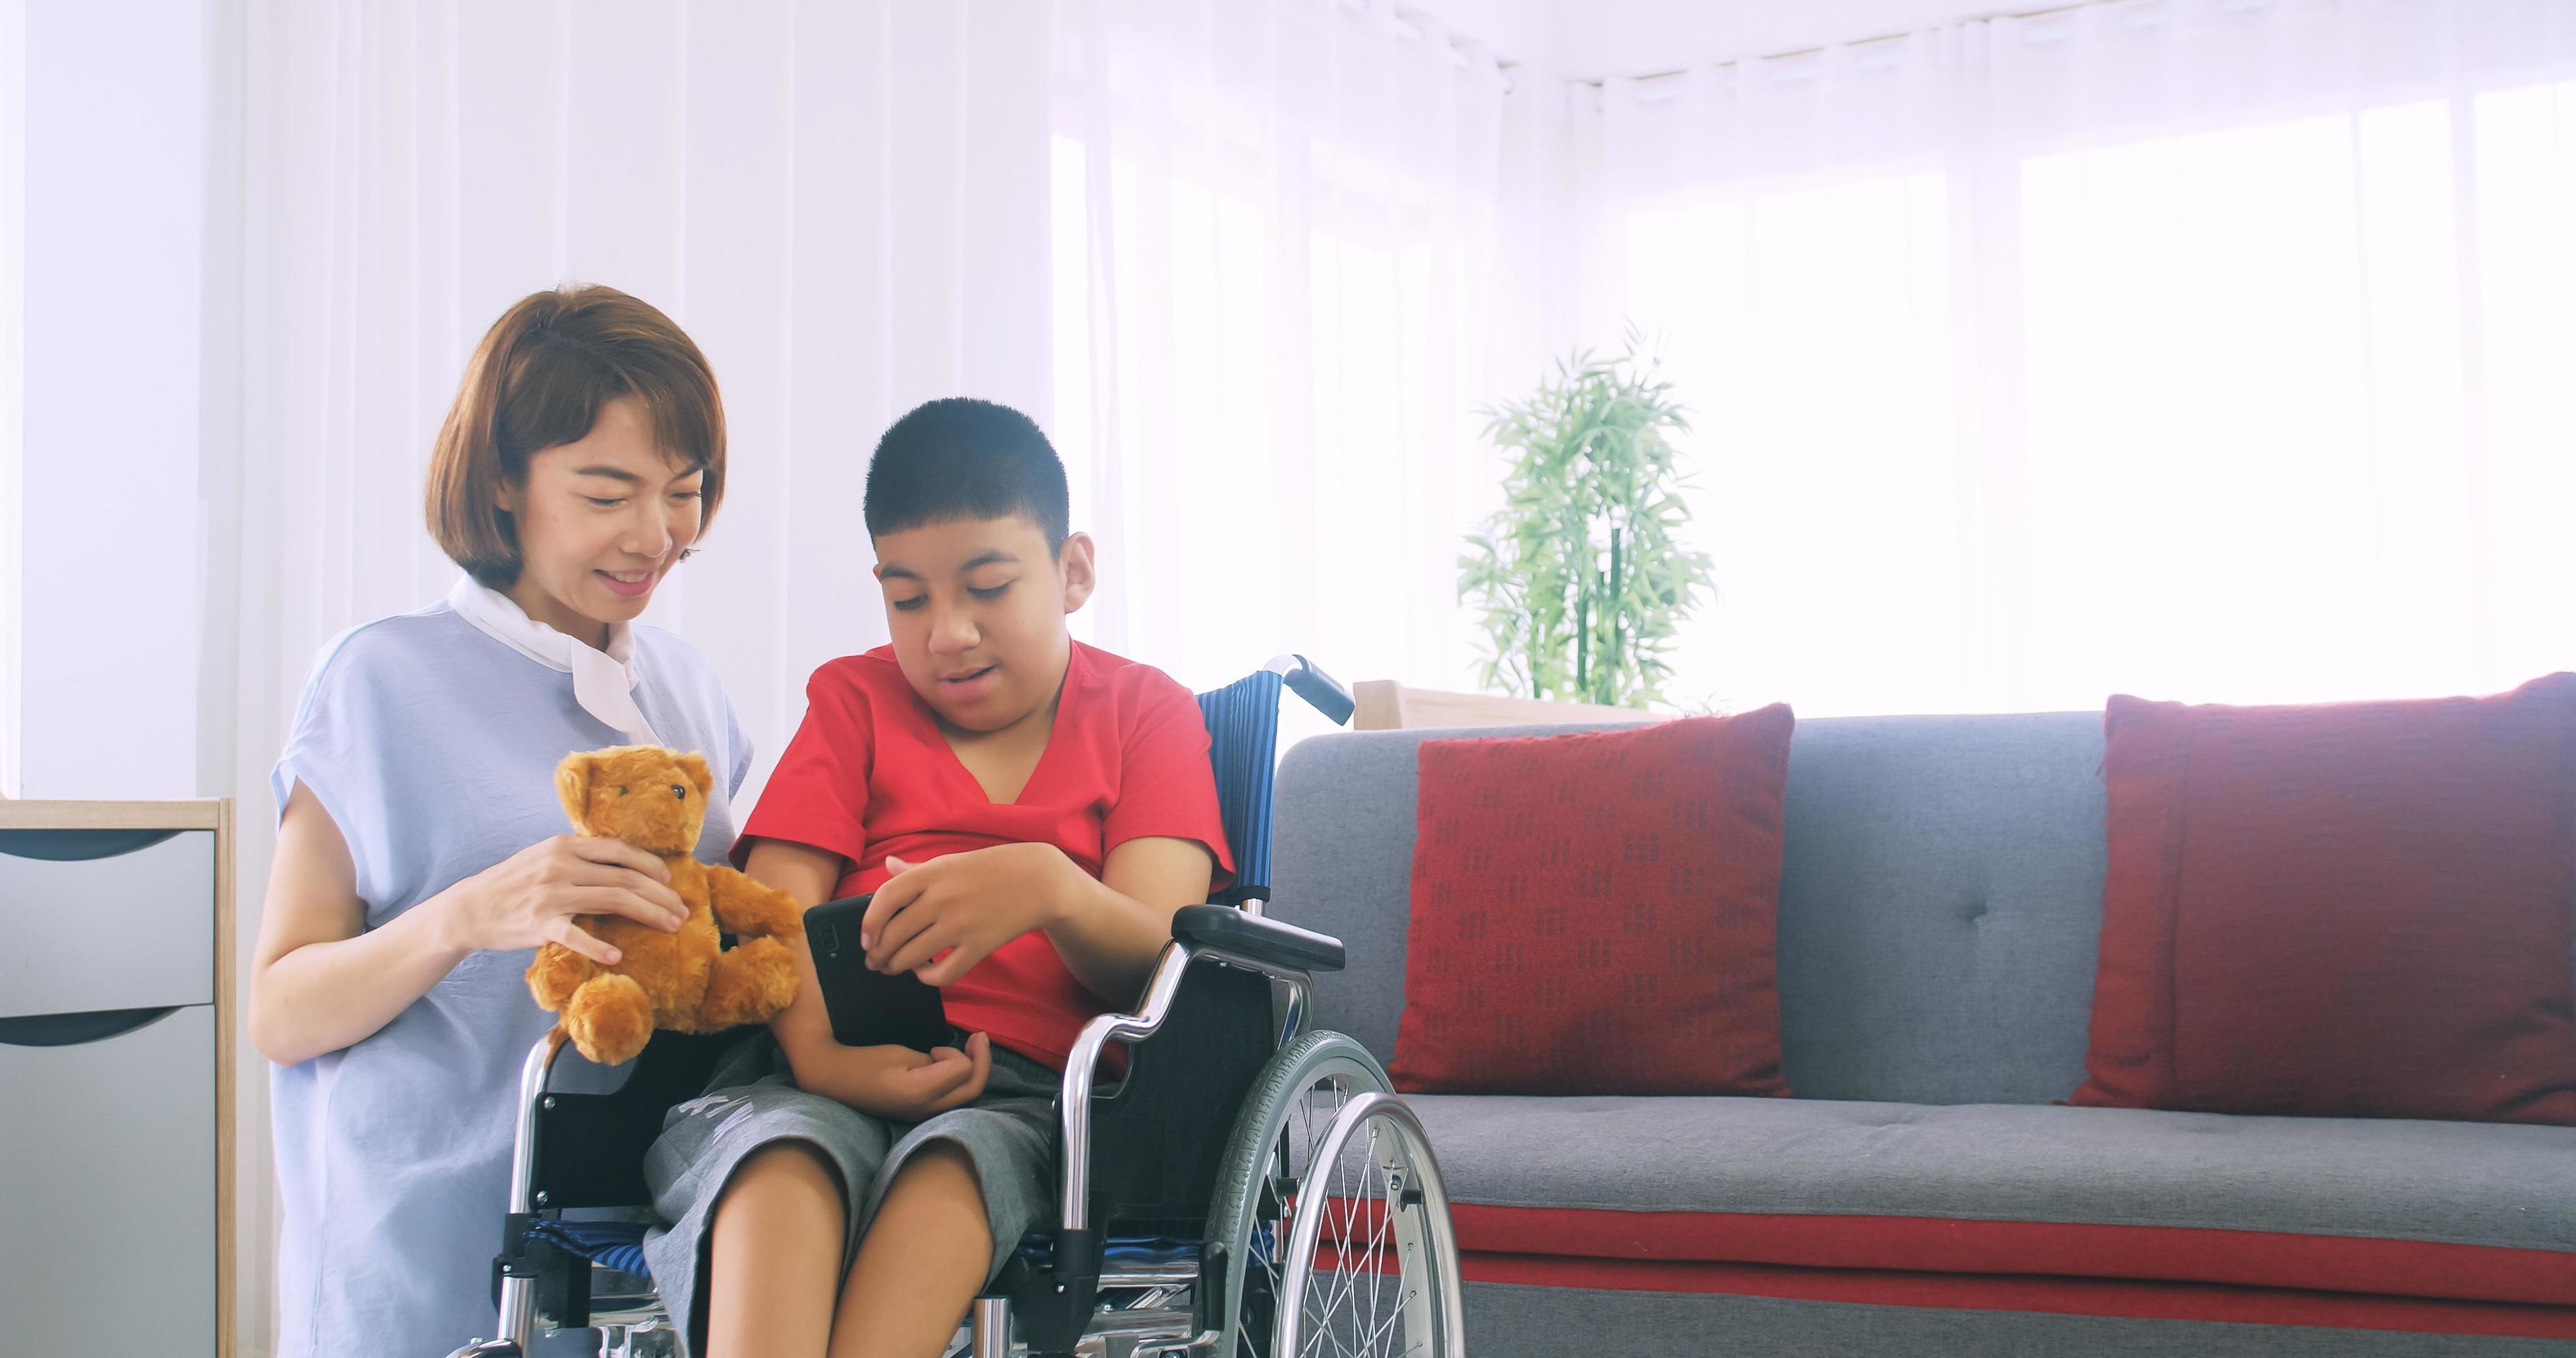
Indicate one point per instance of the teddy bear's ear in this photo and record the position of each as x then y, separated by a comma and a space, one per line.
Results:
696, 767
572, 784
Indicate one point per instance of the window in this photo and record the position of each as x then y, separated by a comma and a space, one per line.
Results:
1265, 402
1810, 332
2271, 412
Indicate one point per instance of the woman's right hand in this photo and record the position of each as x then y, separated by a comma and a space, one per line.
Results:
531, 897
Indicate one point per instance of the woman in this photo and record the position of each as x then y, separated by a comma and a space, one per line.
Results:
420, 857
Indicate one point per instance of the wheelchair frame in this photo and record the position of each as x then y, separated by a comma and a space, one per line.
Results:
1222, 958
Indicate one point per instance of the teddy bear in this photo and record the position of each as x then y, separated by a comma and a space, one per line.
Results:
687, 981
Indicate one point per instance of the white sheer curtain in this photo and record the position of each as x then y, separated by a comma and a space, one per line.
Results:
1297, 242
1266, 255
2205, 350
13, 368
845, 204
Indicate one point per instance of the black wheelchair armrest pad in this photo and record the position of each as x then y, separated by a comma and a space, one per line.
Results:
1257, 937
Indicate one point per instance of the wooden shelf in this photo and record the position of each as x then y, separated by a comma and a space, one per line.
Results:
1384, 705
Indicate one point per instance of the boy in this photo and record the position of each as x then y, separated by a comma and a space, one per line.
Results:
1030, 812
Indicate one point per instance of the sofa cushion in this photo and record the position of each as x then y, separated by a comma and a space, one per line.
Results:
1940, 897
1594, 913
2356, 910
2477, 1212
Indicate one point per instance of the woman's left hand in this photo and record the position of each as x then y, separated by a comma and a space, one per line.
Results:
959, 907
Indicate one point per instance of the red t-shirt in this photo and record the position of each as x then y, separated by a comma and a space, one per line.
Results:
869, 775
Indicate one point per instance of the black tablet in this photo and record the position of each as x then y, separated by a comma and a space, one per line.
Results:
870, 1008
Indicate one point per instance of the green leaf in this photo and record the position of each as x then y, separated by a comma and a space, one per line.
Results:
1578, 580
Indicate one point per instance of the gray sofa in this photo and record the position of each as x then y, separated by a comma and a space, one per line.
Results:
1939, 907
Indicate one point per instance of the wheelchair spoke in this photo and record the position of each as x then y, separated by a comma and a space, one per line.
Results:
1370, 1345
1346, 1187
1275, 1216
1389, 1184
1381, 1179
1373, 1316
1346, 1280
1292, 1185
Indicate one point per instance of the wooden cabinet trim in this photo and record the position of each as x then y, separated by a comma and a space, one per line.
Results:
195, 815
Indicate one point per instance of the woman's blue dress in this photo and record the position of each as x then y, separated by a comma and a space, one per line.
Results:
433, 746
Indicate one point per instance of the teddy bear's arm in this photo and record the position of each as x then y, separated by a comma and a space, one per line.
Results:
749, 908
555, 973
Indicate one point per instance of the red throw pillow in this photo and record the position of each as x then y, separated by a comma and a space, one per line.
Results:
1594, 913
2356, 910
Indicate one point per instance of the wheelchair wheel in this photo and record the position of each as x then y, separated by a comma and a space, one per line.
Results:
1333, 1217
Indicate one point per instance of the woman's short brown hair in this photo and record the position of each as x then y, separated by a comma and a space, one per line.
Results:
537, 381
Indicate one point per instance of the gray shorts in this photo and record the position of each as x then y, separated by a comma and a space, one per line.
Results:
752, 1103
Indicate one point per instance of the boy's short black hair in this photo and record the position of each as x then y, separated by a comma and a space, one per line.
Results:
960, 458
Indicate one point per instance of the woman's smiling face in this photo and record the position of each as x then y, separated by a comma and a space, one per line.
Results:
600, 520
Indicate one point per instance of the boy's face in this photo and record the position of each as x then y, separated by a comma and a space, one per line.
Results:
977, 608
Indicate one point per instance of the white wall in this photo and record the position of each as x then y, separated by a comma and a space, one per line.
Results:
131, 112
112, 551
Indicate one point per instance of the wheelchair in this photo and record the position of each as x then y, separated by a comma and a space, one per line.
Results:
1248, 1189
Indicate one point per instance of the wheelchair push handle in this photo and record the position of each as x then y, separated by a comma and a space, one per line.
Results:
1308, 680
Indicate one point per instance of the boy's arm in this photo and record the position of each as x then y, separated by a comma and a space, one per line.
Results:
887, 1081
1111, 939
749, 907
807, 875
1109, 931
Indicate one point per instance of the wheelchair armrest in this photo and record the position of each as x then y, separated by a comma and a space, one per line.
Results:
1257, 937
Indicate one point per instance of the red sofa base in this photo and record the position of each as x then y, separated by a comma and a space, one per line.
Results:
2257, 1259
2123, 1298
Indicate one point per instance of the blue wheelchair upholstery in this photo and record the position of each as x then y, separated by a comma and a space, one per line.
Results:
620, 1245
1243, 732
1243, 749
609, 1244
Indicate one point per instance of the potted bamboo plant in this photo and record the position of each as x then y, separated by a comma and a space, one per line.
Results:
1579, 579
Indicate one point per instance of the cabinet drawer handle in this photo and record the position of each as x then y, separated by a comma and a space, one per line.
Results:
78, 846
71, 1030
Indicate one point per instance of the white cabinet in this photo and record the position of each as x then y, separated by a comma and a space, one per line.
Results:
115, 1077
